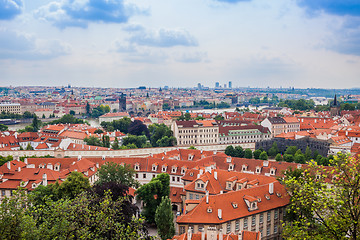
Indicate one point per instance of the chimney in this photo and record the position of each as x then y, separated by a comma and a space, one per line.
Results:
97, 165
219, 213
79, 157
221, 236
189, 234
103, 157
26, 161
207, 197
44, 179
271, 188
8, 164
215, 175
19, 169
201, 171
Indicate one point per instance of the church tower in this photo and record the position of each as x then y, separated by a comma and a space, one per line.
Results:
335, 108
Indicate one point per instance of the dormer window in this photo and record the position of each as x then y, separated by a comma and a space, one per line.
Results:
57, 167
251, 202
183, 170
244, 167
272, 171
239, 186
229, 186
234, 204
209, 210
228, 159
173, 169
163, 169
231, 167
258, 169
154, 167
137, 167
267, 197
33, 185
190, 157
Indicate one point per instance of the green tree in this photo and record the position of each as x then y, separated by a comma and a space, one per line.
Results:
257, 153
318, 211
93, 141
12, 215
218, 117
239, 152
36, 124
115, 145
105, 141
278, 157
88, 109
288, 158
263, 156
113, 172
192, 147
300, 158
248, 153
273, 150
68, 118
152, 193
291, 150
230, 151
72, 112
3, 127
29, 147
74, 184
158, 132
187, 116
164, 219
308, 154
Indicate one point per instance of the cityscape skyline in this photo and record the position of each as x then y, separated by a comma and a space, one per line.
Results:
251, 43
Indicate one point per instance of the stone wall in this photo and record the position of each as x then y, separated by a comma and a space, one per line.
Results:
117, 153
321, 146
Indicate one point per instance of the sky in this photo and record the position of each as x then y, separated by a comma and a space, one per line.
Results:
180, 43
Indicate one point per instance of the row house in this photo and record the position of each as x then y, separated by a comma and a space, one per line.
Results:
258, 209
352, 132
243, 134
211, 234
218, 181
193, 132
279, 125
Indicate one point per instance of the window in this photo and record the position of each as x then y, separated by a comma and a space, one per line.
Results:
261, 218
275, 228
253, 220
182, 229
268, 231
237, 225
228, 227
276, 214
173, 179
197, 196
2, 192
245, 223
136, 175
268, 216
144, 175
191, 196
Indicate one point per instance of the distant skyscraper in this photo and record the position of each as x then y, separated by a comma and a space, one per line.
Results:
217, 85
122, 103
230, 84
225, 85
199, 86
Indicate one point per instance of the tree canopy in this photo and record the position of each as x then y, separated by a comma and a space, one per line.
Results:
325, 201
113, 172
151, 194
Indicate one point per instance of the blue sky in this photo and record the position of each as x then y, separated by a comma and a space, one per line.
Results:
179, 43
